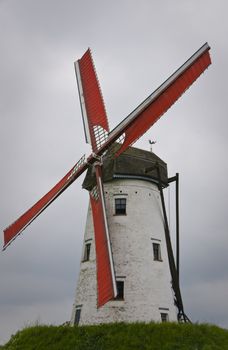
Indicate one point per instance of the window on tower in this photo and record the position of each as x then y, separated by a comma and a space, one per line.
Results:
77, 316
157, 251
120, 290
164, 317
120, 206
87, 252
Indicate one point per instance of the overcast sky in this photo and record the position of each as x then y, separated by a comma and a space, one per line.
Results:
136, 45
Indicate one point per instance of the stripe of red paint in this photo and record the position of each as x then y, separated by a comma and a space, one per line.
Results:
12, 231
164, 101
104, 277
92, 95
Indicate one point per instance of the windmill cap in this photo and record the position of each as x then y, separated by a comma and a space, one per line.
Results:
134, 163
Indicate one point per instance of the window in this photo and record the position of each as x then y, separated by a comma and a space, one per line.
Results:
77, 316
120, 290
164, 317
87, 252
157, 251
120, 206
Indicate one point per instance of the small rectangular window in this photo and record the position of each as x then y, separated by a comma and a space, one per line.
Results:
87, 252
77, 316
164, 317
157, 251
120, 206
120, 290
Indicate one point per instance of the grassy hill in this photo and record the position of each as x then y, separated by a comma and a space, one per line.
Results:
120, 336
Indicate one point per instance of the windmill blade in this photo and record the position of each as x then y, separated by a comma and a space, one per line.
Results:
96, 131
92, 105
150, 110
106, 283
12, 231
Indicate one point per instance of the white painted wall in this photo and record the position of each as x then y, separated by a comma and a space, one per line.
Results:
147, 283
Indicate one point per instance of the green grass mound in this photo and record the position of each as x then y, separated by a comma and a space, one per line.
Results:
121, 336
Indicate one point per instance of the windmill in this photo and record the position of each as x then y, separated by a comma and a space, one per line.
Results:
111, 151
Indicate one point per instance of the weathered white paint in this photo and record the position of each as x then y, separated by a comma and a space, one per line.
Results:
147, 283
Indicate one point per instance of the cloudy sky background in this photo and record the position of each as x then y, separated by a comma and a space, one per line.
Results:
136, 45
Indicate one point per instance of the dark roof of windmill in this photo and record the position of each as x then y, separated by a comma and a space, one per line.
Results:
133, 163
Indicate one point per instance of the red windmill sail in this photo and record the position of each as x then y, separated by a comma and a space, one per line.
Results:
12, 231
92, 105
150, 110
96, 132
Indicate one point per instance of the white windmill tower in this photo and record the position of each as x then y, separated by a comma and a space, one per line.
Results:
136, 227
128, 272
